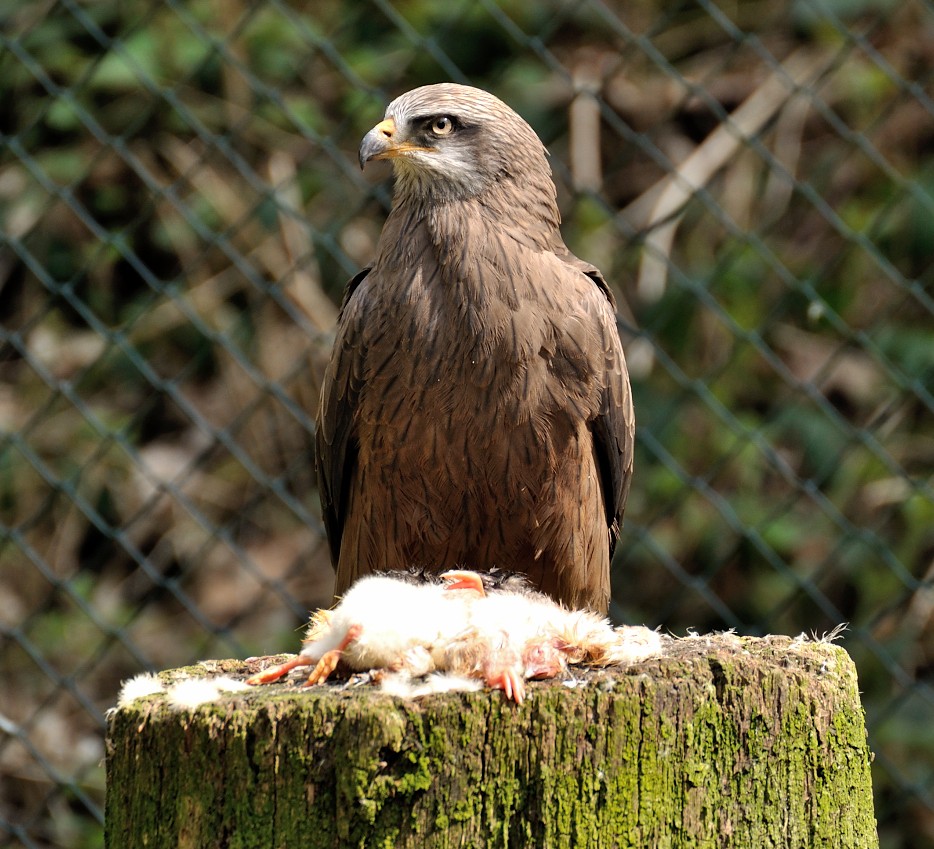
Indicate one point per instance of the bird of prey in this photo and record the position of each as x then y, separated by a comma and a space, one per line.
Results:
476, 409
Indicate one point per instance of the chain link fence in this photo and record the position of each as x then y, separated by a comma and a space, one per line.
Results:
180, 206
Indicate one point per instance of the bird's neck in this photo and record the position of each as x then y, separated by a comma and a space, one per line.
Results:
454, 224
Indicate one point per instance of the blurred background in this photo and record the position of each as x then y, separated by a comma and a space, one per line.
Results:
180, 207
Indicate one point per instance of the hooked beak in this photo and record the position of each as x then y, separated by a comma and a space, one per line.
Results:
377, 143
381, 143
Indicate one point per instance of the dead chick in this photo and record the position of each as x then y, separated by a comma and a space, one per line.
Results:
382, 622
517, 634
491, 628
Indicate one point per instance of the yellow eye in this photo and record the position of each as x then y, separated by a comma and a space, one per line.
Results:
442, 126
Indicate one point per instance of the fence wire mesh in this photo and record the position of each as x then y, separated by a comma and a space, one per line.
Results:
181, 205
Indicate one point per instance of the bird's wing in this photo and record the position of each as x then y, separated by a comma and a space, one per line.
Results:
335, 440
614, 428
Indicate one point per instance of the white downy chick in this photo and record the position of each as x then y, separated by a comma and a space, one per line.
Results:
517, 634
383, 622
511, 637
499, 633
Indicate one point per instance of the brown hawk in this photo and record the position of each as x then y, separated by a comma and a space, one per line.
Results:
476, 410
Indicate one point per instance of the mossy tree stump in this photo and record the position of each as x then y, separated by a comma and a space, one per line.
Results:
721, 742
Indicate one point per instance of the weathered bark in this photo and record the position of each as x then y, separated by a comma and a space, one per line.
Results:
722, 742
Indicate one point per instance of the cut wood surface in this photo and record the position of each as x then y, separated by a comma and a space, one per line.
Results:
722, 741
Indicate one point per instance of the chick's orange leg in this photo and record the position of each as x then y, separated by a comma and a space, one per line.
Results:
463, 580
510, 682
330, 659
274, 673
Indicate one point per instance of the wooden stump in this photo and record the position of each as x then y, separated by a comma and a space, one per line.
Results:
721, 742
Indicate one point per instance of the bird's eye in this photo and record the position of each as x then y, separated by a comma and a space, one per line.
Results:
442, 126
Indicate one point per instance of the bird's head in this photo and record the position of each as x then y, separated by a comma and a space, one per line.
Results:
450, 141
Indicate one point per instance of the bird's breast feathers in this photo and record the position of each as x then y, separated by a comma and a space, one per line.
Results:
485, 302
